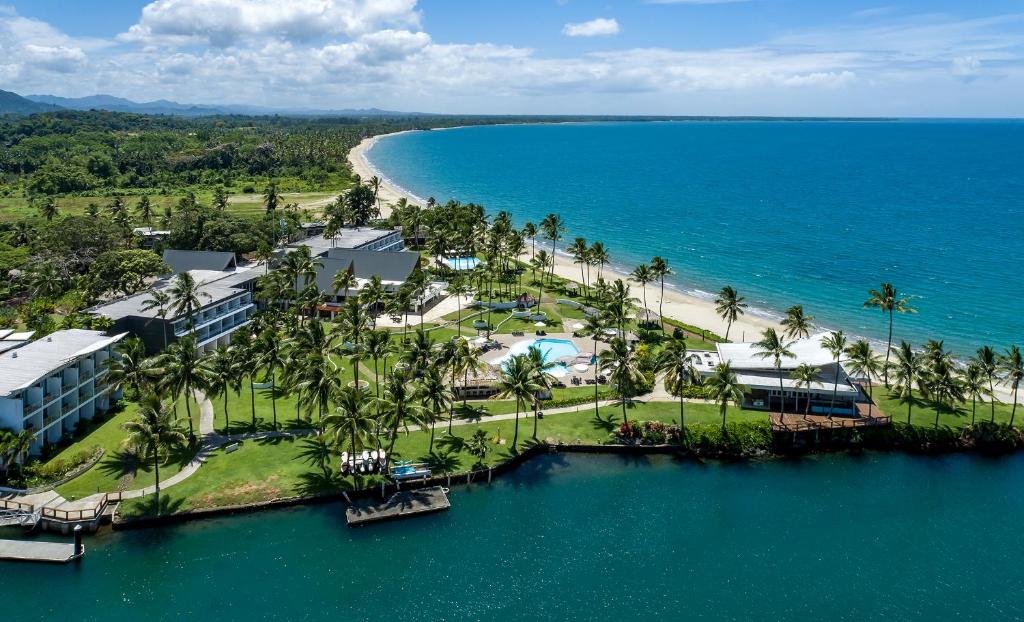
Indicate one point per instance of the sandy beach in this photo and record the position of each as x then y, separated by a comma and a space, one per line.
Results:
679, 306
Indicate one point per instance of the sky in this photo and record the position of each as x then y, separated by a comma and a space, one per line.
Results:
916, 58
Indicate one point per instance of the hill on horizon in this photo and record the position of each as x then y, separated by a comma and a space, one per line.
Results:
12, 103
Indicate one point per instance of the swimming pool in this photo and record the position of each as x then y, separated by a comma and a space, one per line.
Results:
552, 349
461, 263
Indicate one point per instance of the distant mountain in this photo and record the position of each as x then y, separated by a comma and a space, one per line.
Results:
12, 103
163, 106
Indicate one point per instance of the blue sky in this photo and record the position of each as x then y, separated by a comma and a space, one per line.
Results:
799, 57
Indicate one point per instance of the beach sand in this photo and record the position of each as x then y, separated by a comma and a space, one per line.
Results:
678, 305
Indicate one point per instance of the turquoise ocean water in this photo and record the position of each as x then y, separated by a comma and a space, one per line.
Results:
809, 212
874, 537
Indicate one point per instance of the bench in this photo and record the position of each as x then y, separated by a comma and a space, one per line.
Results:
232, 447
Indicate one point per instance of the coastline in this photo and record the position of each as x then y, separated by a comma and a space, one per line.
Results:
678, 305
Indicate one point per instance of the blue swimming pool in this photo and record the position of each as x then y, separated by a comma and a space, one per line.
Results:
461, 263
552, 349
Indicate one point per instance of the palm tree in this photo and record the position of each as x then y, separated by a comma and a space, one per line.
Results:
246, 352
153, 431
943, 385
594, 327
599, 254
540, 368
676, 362
343, 280
144, 209
835, 343
863, 361
224, 378
183, 370
467, 359
620, 364
130, 368
271, 198
377, 347
797, 325
619, 305
185, 295
553, 226
660, 270
530, 231
725, 388
319, 382
49, 209
271, 357
435, 396
160, 300
887, 300
220, 199
16, 447
399, 405
517, 380
579, 251
643, 275
1012, 368
776, 348
459, 288
374, 184
352, 420
974, 386
805, 376
371, 295
908, 370
729, 305
987, 359
419, 353
353, 321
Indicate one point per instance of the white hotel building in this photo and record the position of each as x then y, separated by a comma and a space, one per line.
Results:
51, 384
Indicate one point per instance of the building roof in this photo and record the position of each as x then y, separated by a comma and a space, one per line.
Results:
744, 356
24, 366
353, 237
186, 261
393, 267
214, 288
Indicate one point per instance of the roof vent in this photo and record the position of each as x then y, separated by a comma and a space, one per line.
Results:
49, 338
14, 355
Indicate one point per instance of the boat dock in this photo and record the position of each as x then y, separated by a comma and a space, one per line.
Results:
399, 505
36, 551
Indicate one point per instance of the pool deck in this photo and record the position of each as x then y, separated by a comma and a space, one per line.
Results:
399, 505
584, 345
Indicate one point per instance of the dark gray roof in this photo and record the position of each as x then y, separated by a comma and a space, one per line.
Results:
396, 266
183, 261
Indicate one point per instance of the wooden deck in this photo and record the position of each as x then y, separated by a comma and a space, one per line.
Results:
790, 422
399, 505
35, 551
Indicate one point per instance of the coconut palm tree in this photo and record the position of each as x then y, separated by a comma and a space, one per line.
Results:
353, 320
659, 270
224, 378
271, 198
805, 376
459, 288
435, 396
530, 231
271, 357
376, 348
942, 384
318, 380
182, 370
888, 301
676, 362
518, 381
835, 343
186, 296
725, 387
729, 305
144, 209
552, 226
863, 362
419, 354
987, 359
130, 368
600, 256
49, 209
541, 369
776, 348
619, 305
619, 363
16, 446
371, 296
399, 405
353, 420
797, 325
594, 327
1012, 368
160, 300
246, 353
467, 358
975, 386
152, 432
343, 281
908, 372
579, 251
642, 274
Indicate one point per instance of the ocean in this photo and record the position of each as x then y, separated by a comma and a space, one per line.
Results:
576, 537
788, 212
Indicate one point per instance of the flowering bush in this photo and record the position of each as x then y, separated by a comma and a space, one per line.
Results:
646, 433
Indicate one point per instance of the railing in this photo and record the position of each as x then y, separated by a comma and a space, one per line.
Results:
11, 504
778, 423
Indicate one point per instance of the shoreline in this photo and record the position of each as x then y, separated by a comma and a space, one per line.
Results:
678, 305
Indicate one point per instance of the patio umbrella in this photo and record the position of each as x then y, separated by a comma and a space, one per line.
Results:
539, 324
577, 326
580, 367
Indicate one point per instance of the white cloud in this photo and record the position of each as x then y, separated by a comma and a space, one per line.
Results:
594, 28
223, 22
966, 68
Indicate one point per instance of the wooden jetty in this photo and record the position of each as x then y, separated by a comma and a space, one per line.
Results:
399, 505
36, 551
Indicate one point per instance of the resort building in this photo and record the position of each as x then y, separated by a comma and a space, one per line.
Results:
226, 299
358, 238
393, 268
9, 339
51, 384
761, 378
212, 261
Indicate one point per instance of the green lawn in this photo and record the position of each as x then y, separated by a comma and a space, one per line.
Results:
923, 411
117, 466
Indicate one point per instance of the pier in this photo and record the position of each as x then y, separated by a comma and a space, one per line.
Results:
40, 551
399, 505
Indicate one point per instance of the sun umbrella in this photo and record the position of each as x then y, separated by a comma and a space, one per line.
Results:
539, 324
580, 366
577, 326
